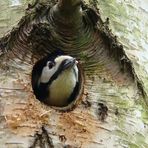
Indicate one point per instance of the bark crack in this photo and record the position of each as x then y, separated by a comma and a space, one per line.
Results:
42, 140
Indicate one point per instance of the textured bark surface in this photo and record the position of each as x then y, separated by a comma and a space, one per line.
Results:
112, 112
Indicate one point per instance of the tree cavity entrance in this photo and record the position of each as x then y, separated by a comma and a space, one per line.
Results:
58, 81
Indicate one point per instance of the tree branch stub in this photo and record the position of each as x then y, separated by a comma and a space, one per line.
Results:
69, 5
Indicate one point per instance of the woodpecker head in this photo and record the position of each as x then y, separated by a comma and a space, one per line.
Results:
56, 80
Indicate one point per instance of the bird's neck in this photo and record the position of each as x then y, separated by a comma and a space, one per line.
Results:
62, 87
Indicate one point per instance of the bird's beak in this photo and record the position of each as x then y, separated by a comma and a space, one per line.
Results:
69, 63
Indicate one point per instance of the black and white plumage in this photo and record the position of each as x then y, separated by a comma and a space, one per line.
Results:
56, 80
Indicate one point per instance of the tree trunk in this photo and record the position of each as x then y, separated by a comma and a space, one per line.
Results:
113, 109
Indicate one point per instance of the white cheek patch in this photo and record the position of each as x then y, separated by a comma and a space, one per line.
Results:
47, 73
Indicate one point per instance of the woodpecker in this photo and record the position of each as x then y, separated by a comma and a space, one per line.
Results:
56, 80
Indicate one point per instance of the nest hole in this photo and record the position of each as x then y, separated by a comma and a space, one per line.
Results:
43, 90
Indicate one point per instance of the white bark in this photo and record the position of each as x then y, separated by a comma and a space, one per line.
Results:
126, 124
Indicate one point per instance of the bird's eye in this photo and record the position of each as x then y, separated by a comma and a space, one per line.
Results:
50, 65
